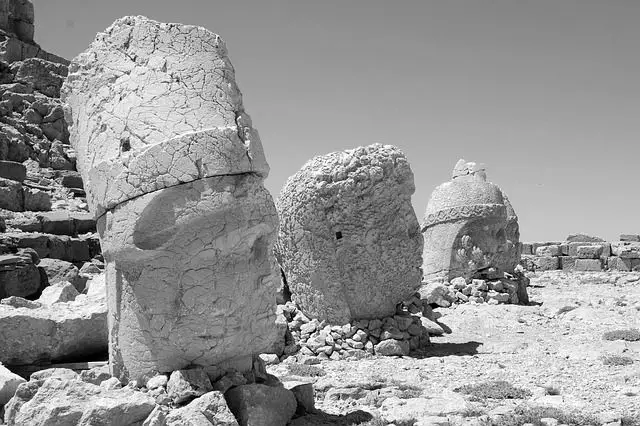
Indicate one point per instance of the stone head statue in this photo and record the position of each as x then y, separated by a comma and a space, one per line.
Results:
349, 241
174, 172
469, 226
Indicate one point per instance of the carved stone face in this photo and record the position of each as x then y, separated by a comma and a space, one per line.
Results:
481, 244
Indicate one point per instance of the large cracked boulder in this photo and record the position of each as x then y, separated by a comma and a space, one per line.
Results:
174, 171
36, 331
349, 242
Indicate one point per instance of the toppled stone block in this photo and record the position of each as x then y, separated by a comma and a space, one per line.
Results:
19, 275
175, 175
625, 249
11, 195
349, 242
630, 238
303, 391
13, 171
43, 402
573, 248
568, 263
546, 263
548, 251
527, 248
589, 252
616, 263
80, 331
583, 265
36, 200
259, 404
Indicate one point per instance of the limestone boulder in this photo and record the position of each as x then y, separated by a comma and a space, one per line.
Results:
11, 196
61, 271
261, 405
209, 409
349, 242
13, 171
186, 225
44, 76
57, 401
9, 383
43, 333
62, 291
19, 275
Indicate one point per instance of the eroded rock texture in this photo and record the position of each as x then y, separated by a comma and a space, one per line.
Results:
349, 242
469, 226
174, 170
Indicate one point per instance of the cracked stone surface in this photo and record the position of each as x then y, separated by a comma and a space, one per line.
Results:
349, 242
469, 225
174, 171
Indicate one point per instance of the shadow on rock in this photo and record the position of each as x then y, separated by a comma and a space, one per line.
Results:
445, 349
321, 418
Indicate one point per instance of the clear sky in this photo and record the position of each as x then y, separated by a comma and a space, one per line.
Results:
546, 93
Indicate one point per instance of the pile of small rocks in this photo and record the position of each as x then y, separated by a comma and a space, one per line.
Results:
395, 335
495, 290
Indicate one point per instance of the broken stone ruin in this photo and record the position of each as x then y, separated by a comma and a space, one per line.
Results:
185, 223
148, 278
472, 242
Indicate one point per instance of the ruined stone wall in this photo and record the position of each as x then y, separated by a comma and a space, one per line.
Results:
590, 254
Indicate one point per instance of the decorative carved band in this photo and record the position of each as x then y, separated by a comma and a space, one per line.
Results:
465, 212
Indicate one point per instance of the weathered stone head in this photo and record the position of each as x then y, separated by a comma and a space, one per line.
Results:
174, 171
469, 226
349, 241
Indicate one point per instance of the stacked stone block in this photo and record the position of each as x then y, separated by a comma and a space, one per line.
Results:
583, 256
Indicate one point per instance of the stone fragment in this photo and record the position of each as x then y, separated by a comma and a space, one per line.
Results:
583, 238
261, 405
527, 248
44, 76
159, 381
9, 382
588, 265
551, 250
62, 291
95, 375
19, 276
61, 271
73, 402
303, 391
546, 263
567, 263
13, 171
17, 17
616, 263
469, 225
58, 373
184, 385
11, 195
589, 252
432, 327
627, 250
392, 347
36, 200
80, 331
349, 241
209, 409
19, 302
174, 170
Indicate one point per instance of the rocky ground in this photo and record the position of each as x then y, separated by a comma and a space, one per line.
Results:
554, 350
